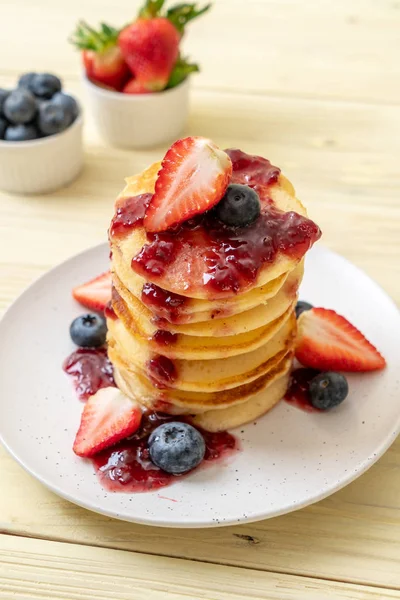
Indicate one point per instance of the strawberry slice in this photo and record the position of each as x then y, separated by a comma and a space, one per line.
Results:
107, 418
193, 178
328, 342
94, 294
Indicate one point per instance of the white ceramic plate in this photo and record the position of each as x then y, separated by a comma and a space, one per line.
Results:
289, 458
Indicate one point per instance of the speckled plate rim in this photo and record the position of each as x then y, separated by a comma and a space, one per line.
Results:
287, 506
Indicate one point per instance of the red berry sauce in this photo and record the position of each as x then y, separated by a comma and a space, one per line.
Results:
91, 370
109, 312
221, 259
164, 304
161, 371
129, 214
298, 392
164, 338
127, 467
254, 171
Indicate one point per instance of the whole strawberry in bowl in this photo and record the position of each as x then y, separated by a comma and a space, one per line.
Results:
136, 77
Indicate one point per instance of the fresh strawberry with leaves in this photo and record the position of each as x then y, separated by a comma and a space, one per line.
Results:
102, 58
193, 177
107, 418
150, 48
94, 294
329, 342
150, 45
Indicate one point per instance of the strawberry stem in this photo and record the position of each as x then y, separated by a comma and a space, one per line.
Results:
151, 9
179, 15
86, 37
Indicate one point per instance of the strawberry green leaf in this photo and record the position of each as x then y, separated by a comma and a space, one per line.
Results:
181, 70
86, 37
181, 14
151, 9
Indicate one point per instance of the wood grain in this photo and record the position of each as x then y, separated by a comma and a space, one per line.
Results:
48, 570
307, 48
352, 536
350, 183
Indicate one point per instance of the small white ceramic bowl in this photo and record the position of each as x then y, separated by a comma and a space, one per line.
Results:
139, 120
43, 165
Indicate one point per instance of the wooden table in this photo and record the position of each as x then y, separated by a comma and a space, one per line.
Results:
314, 85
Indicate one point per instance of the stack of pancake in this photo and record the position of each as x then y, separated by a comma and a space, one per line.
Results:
225, 361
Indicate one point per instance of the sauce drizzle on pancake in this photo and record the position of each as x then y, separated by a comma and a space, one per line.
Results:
129, 214
224, 260
165, 304
161, 371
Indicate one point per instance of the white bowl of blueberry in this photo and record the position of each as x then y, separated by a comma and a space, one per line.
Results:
40, 136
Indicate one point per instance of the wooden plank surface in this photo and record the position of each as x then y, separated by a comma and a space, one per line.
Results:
54, 571
352, 536
314, 86
349, 180
308, 48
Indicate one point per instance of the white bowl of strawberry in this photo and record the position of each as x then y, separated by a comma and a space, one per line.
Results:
136, 78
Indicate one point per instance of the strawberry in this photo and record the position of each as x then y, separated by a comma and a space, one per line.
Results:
107, 418
193, 178
102, 58
94, 294
135, 87
150, 48
328, 342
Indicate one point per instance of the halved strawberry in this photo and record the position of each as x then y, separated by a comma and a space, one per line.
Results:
134, 86
107, 418
96, 293
193, 178
328, 342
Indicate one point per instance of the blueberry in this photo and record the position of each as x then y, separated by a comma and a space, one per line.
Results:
176, 447
88, 331
239, 206
3, 96
25, 81
3, 127
20, 106
21, 133
301, 307
328, 390
68, 103
52, 118
45, 85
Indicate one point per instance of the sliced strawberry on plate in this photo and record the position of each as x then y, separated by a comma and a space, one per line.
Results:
107, 418
328, 342
94, 294
193, 178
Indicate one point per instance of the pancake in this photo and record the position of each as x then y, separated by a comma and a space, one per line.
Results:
204, 313
174, 401
250, 410
194, 310
179, 277
196, 347
248, 320
212, 375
